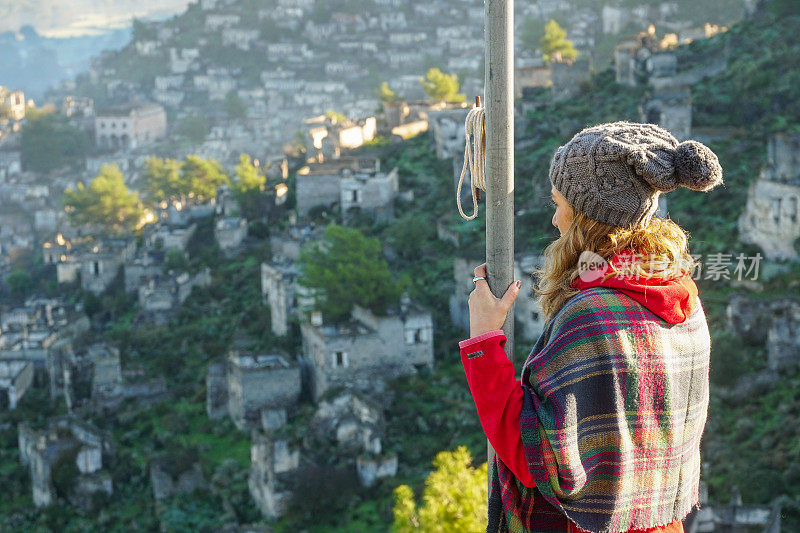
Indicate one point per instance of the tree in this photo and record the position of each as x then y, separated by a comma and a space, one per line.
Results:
555, 46
194, 127
247, 186
531, 32
49, 142
234, 106
200, 177
347, 269
455, 497
162, 179
175, 259
106, 201
19, 282
336, 117
410, 234
141, 31
442, 87
247, 178
386, 94
178, 181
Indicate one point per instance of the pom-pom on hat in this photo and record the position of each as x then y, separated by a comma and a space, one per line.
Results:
615, 172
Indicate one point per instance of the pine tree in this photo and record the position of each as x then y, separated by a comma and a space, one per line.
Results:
555, 46
455, 498
442, 87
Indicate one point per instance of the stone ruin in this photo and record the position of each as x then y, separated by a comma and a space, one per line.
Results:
16, 377
670, 108
733, 516
354, 427
567, 78
170, 476
247, 383
770, 219
368, 349
775, 323
93, 377
648, 60
278, 288
66, 439
346, 423
272, 465
446, 129
526, 311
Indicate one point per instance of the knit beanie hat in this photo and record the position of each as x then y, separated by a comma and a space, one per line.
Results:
615, 172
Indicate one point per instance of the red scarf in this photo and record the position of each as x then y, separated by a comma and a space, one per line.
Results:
672, 299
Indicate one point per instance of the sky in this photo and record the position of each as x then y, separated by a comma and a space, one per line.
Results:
63, 18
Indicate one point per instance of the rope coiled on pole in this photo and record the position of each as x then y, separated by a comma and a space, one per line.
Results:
476, 159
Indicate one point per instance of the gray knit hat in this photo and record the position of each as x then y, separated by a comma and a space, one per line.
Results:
615, 172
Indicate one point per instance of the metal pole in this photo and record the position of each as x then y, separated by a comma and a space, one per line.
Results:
499, 109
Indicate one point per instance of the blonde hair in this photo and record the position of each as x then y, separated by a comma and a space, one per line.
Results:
662, 243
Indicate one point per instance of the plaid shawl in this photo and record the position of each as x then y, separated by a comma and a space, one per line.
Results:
614, 406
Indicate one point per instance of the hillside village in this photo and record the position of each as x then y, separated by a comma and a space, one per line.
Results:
178, 367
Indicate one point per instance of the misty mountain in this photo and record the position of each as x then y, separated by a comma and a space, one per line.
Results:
32, 62
70, 17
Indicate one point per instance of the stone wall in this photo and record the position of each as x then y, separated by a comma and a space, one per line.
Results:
670, 108
374, 194
165, 485
256, 383
368, 350
274, 292
567, 78
16, 377
775, 323
216, 391
272, 464
783, 337
317, 189
446, 128
526, 311
771, 218
371, 469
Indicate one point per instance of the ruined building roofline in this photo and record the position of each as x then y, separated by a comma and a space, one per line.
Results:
247, 360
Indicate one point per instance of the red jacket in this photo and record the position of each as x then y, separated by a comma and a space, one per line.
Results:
498, 394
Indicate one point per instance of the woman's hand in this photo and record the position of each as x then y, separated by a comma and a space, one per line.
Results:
486, 312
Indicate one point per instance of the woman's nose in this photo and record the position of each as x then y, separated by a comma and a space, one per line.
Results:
555, 223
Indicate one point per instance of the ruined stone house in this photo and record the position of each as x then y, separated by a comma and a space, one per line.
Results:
147, 264
346, 424
279, 291
364, 351
230, 232
369, 193
446, 130
670, 108
248, 383
169, 236
130, 126
273, 463
327, 138
97, 265
65, 438
320, 184
161, 297
16, 377
770, 218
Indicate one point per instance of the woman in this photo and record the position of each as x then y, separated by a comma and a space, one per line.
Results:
602, 433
